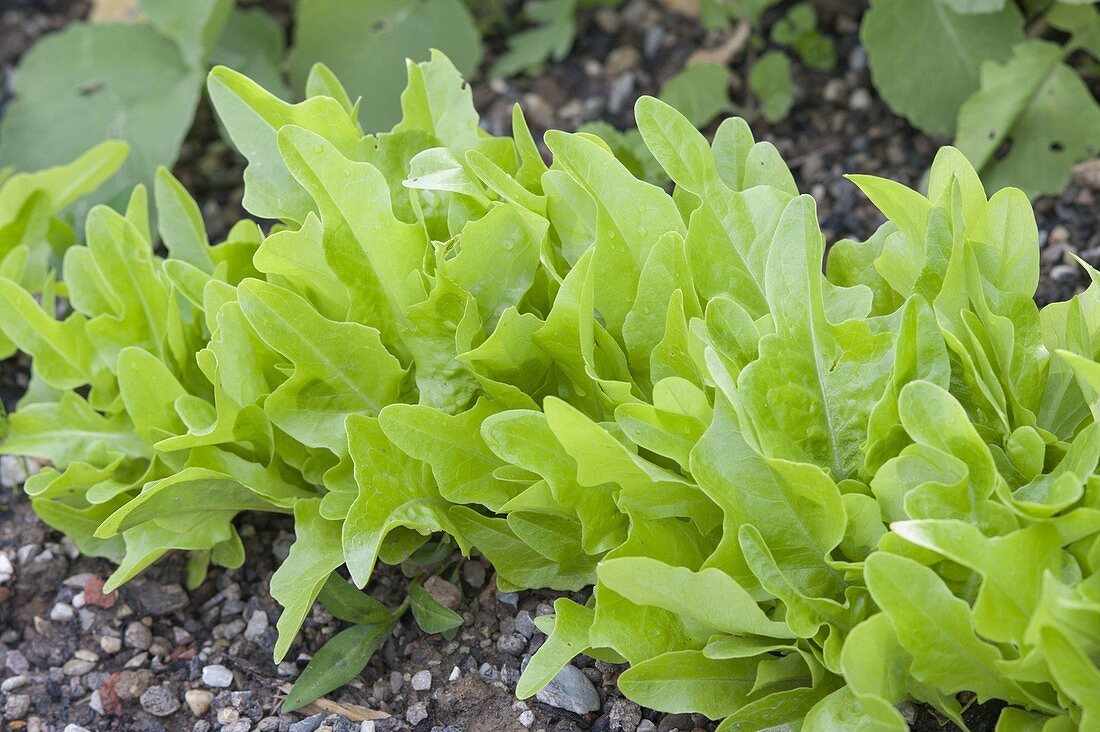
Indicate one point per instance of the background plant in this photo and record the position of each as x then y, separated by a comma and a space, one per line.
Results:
1005, 78
800, 497
1008, 80
137, 73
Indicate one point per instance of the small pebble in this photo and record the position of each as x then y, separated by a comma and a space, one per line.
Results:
1058, 236
570, 690
474, 573
512, 644
62, 612
74, 728
6, 570
309, 724
159, 702
525, 624
416, 713
834, 90
93, 594
860, 100
110, 644
138, 636
130, 684
217, 675
621, 60
527, 718
1064, 273
625, 716
198, 701
257, 624
77, 667
13, 471
422, 680
13, 683
16, 706
445, 593
647, 726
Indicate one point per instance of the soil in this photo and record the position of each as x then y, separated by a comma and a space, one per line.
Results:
135, 660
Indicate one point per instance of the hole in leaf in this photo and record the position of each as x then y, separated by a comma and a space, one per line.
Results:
1003, 149
89, 89
1057, 146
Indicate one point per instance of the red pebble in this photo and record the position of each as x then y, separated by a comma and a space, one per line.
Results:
93, 594
108, 697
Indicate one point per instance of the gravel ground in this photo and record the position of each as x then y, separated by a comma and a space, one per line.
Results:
156, 657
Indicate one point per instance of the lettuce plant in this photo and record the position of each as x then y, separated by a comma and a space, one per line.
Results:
36, 212
801, 497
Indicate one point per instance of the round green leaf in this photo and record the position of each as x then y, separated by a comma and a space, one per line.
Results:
366, 42
925, 57
91, 83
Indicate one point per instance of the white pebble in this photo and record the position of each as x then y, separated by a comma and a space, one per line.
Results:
13, 683
217, 675
257, 624
6, 570
527, 718
13, 471
422, 680
61, 612
78, 581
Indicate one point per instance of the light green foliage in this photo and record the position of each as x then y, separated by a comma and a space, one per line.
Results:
366, 42
701, 92
770, 81
629, 147
37, 211
801, 498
